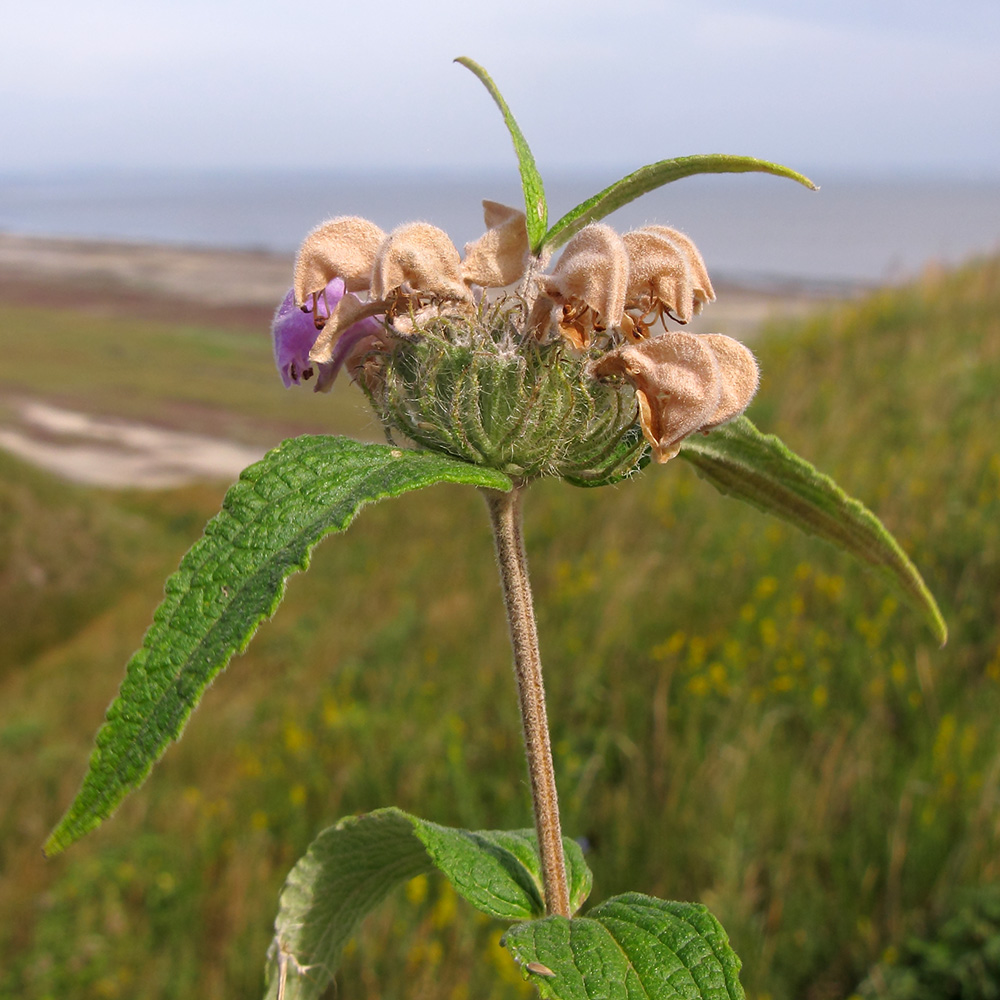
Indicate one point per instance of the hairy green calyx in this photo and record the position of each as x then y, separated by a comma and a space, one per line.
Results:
479, 390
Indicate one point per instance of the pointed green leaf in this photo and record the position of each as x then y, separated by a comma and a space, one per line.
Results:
232, 578
740, 461
650, 177
535, 208
631, 946
351, 867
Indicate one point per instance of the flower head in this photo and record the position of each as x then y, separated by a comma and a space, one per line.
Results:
549, 379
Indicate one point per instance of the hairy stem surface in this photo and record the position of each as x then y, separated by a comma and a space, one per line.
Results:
505, 514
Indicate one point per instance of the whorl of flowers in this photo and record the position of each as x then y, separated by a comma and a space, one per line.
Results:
359, 293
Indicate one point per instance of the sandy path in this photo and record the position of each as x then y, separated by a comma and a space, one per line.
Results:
117, 454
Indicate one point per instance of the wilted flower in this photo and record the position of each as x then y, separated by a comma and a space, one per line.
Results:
556, 378
585, 293
684, 382
667, 277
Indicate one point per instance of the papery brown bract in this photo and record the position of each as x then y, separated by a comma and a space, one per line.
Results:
702, 286
740, 377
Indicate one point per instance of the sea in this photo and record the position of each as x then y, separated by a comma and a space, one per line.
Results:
751, 228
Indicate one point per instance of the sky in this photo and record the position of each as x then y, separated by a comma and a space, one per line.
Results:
860, 86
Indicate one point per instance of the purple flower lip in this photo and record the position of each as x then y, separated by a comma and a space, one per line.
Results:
295, 330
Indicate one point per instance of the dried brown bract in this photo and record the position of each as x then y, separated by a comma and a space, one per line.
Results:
420, 261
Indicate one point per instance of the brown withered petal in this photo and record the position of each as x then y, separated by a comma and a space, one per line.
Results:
498, 257
740, 377
677, 385
592, 271
540, 319
422, 258
659, 275
350, 310
702, 285
341, 248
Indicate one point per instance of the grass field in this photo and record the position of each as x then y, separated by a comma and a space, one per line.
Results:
740, 714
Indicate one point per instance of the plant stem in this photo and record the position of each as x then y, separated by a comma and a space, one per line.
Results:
505, 515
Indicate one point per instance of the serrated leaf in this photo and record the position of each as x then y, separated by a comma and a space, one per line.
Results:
231, 579
631, 946
351, 867
535, 208
758, 468
650, 177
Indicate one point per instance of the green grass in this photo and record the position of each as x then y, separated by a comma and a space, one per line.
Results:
740, 714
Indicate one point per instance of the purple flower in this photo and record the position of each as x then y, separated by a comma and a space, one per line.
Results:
295, 331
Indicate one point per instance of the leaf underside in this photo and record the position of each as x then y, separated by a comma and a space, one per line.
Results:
227, 583
535, 208
350, 868
650, 177
759, 469
631, 946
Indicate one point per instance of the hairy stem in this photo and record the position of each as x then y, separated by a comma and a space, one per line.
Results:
505, 514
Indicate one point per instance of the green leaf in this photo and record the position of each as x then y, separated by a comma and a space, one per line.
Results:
650, 177
535, 208
351, 867
631, 946
232, 578
740, 461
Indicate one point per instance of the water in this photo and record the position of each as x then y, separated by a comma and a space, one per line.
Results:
749, 227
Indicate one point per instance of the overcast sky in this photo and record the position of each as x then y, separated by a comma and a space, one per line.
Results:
859, 85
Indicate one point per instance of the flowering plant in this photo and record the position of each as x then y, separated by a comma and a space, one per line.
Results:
501, 371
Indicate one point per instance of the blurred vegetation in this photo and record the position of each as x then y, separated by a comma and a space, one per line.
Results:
958, 959
740, 714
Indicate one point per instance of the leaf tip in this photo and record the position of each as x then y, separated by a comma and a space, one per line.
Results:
940, 627
470, 64
56, 844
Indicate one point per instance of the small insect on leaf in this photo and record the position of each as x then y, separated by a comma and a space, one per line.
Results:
537, 969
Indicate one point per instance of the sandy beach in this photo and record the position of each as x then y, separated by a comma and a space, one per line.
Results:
220, 287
